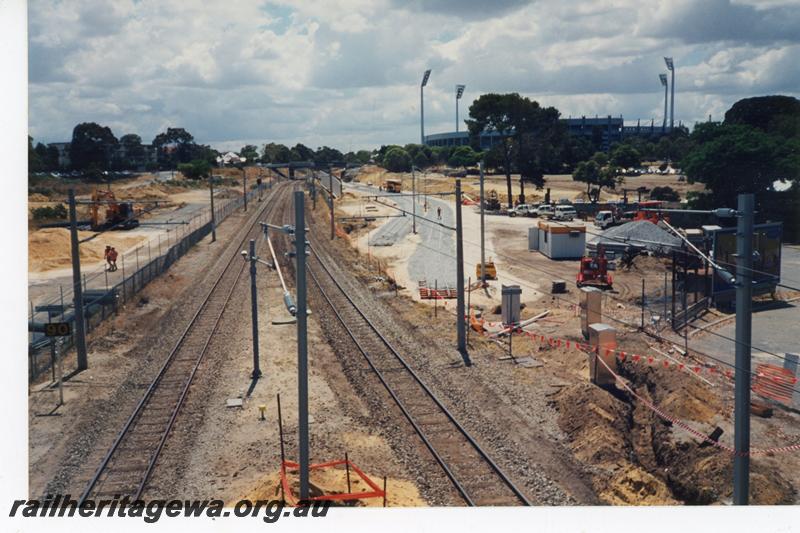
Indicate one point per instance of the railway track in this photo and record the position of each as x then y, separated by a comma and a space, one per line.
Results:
129, 463
474, 475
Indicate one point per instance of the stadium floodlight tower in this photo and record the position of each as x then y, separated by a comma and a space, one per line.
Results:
459, 94
422, 106
663, 78
671, 68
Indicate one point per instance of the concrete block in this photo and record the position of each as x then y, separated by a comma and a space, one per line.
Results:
604, 337
591, 308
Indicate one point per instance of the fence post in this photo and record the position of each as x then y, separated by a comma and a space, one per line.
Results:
124, 289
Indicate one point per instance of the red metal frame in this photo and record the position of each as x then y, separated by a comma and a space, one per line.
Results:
376, 492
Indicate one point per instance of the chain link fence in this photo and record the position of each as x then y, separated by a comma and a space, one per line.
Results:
104, 291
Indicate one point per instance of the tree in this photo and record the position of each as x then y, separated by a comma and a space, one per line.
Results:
301, 152
133, 151
731, 159
778, 115
666, 193
275, 153
463, 156
91, 145
249, 152
327, 156
35, 159
174, 146
494, 113
533, 138
397, 160
625, 156
195, 169
596, 173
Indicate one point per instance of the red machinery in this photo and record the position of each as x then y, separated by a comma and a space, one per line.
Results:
650, 216
594, 271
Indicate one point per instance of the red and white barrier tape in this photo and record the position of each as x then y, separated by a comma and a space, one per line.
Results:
683, 425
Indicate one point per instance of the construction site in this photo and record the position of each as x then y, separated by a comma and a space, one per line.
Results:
428, 349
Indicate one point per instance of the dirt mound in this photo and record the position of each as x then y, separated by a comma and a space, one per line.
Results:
36, 197
49, 248
399, 493
598, 426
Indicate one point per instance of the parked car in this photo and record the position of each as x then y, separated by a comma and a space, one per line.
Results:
523, 210
564, 212
545, 211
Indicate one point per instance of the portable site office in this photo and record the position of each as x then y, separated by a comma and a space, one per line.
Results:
558, 240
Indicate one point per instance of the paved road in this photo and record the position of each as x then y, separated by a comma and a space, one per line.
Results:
433, 259
774, 329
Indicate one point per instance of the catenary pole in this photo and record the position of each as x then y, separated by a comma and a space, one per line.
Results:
302, 341
254, 308
460, 320
483, 242
744, 318
77, 290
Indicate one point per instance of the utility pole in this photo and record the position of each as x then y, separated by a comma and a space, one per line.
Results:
77, 289
460, 320
254, 308
330, 193
483, 244
302, 340
213, 216
244, 187
413, 201
744, 319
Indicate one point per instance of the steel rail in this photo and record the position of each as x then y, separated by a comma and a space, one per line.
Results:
169, 360
510, 484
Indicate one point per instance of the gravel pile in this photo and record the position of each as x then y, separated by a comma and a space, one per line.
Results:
639, 234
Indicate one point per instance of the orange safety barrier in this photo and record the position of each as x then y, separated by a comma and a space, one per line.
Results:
376, 491
774, 382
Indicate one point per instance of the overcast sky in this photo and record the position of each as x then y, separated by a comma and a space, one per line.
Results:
346, 73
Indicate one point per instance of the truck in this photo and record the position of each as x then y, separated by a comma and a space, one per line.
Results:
605, 219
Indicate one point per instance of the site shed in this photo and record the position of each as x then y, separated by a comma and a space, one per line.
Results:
560, 240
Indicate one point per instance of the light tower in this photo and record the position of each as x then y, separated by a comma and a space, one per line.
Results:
422, 106
663, 78
459, 94
671, 68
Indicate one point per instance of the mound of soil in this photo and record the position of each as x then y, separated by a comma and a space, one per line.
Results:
49, 248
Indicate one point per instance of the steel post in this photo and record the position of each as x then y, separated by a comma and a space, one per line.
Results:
413, 201
254, 308
483, 243
244, 187
744, 318
80, 330
213, 218
460, 320
302, 340
672, 102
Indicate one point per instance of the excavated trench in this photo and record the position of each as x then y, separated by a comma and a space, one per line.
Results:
640, 458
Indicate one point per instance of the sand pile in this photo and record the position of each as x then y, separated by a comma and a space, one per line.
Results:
36, 197
49, 248
400, 493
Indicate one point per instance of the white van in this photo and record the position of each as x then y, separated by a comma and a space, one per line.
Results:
545, 211
564, 212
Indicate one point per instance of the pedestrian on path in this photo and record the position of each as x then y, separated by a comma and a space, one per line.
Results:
439, 213
106, 256
112, 260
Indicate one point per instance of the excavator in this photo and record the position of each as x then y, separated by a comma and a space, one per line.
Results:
118, 215
594, 271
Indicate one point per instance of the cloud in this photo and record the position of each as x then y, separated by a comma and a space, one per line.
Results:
347, 72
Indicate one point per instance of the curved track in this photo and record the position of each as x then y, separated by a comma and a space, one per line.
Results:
129, 463
476, 477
